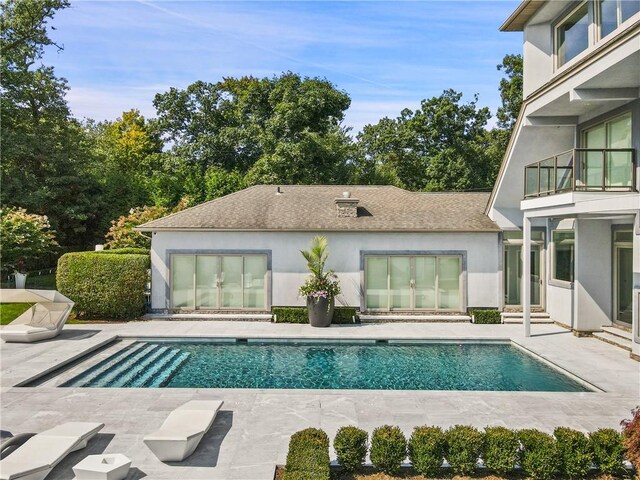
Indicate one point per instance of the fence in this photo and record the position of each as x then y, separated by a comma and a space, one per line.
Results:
37, 279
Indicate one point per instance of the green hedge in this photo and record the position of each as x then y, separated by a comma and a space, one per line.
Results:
341, 315
308, 456
486, 317
388, 449
351, 445
104, 285
564, 455
126, 251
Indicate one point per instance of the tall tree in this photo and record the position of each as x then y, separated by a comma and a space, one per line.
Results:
126, 155
284, 129
43, 150
440, 146
510, 91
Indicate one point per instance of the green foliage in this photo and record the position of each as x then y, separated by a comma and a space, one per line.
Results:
122, 233
284, 129
539, 454
308, 456
388, 449
44, 151
463, 447
440, 146
510, 91
218, 182
25, 238
574, 452
484, 317
608, 450
104, 285
500, 449
125, 251
631, 438
427, 450
351, 444
320, 283
341, 315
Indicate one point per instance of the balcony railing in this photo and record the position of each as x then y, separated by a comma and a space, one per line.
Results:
582, 169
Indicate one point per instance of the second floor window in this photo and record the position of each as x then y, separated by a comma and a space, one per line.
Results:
588, 23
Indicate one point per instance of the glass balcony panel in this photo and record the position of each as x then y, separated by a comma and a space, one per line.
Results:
619, 170
546, 176
531, 181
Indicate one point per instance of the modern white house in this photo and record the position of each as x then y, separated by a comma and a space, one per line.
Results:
567, 193
558, 235
393, 250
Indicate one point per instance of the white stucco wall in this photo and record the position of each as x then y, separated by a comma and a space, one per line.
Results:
289, 268
560, 303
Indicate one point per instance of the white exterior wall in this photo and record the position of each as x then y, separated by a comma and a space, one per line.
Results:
289, 268
560, 303
635, 345
537, 56
593, 274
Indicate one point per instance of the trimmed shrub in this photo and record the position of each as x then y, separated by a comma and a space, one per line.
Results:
500, 449
308, 456
486, 317
125, 251
427, 449
574, 452
104, 285
341, 315
388, 449
608, 450
351, 444
463, 447
631, 438
539, 454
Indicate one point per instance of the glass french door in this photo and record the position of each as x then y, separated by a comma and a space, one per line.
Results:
513, 275
425, 282
218, 281
623, 284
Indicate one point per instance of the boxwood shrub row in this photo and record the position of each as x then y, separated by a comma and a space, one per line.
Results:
341, 315
567, 453
108, 284
486, 317
308, 456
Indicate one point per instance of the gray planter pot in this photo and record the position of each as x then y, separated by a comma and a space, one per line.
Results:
21, 280
320, 311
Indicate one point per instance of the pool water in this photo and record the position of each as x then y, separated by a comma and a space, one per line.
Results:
300, 365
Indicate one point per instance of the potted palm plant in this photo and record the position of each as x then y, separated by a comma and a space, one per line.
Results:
321, 287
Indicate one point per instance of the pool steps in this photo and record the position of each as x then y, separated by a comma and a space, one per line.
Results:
138, 365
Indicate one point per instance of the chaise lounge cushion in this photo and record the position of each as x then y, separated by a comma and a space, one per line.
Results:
44, 451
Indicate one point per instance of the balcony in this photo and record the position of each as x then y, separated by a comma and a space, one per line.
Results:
582, 170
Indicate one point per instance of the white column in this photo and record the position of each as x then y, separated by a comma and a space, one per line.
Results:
526, 275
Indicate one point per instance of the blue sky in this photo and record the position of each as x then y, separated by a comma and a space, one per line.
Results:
386, 55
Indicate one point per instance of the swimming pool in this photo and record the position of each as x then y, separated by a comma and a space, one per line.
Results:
366, 365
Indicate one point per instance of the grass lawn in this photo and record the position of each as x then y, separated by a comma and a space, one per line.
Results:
9, 311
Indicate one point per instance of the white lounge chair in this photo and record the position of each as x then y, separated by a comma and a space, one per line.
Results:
35, 459
183, 429
43, 320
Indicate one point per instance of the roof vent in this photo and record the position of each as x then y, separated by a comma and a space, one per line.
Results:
346, 207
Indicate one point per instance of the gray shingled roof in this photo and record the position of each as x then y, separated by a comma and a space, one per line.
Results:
312, 207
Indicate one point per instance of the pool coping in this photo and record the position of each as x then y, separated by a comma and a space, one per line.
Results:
52, 372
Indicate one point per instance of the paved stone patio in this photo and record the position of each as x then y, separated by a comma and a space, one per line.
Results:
250, 434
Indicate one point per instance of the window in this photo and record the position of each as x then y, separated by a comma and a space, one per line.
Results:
572, 34
588, 23
618, 166
218, 281
613, 13
563, 254
421, 282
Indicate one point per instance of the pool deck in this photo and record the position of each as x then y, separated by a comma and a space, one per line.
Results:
250, 435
